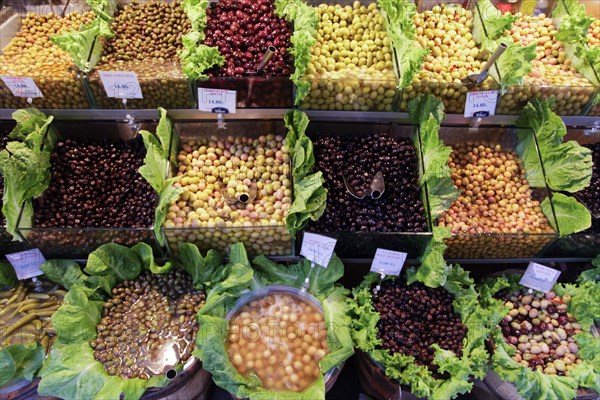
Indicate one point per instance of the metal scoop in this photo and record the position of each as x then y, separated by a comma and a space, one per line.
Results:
475, 79
266, 58
241, 197
377, 187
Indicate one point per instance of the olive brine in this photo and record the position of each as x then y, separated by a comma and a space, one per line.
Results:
412, 318
359, 159
149, 325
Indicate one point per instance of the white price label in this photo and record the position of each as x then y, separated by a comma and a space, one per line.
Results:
217, 100
27, 263
388, 262
317, 248
539, 277
121, 85
481, 104
22, 86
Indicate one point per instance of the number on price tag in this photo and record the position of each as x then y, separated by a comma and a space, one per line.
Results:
539, 277
121, 85
21, 86
388, 262
217, 100
317, 248
27, 263
481, 104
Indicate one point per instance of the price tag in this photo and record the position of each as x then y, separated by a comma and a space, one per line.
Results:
388, 262
27, 263
481, 104
217, 100
21, 86
121, 85
539, 277
317, 248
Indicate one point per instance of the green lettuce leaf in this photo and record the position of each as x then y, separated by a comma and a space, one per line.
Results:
339, 339
83, 45
585, 59
104, 9
197, 58
196, 12
433, 271
8, 277
489, 22
114, 259
76, 319
571, 20
20, 361
571, 215
200, 268
66, 273
310, 199
424, 106
567, 166
591, 275
513, 65
305, 21
32, 126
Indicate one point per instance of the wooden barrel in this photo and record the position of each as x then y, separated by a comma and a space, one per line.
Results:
374, 381
22, 390
194, 383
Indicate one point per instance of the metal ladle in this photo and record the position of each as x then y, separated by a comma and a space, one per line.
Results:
241, 197
263, 63
475, 79
377, 187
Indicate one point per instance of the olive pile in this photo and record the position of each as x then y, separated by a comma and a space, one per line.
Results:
494, 198
594, 33
25, 313
412, 318
552, 74
214, 172
147, 39
96, 184
280, 338
359, 158
539, 327
351, 64
453, 54
243, 30
149, 325
31, 53
591, 195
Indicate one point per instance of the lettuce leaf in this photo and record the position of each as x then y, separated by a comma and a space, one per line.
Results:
513, 65
305, 21
83, 45
571, 20
200, 268
489, 22
32, 126
571, 215
76, 319
8, 277
408, 54
196, 12
104, 9
433, 271
567, 166
585, 59
114, 259
197, 58
20, 361
66, 273
339, 339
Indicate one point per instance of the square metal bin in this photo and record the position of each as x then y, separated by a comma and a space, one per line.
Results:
59, 81
360, 243
584, 244
64, 242
471, 244
7, 244
351, 89
220, 224
255, 92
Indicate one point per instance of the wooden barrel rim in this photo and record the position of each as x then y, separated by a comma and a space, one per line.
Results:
177, 384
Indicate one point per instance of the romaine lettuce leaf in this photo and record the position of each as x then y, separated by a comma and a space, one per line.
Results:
20, 361
200, 268
104, 9
586, 60
433, 271
76, 319
114, 259
66, 273
567, 166
84, 45
571, 215
513, 65
489, 22
8, 277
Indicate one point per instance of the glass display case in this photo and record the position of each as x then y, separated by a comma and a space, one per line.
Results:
352, 66
497, 214
27, 52
80, 210
361, 214
237, 187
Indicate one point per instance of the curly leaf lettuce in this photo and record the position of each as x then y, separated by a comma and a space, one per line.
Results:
567, 166
305, 21
489, 22
571, 20
196, 12
198, 58
571, 215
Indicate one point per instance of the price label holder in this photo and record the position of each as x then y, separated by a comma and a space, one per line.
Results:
218, 101
539, 277
317, 249
387, 262
22, 86
121, 85
481, 104
27, 263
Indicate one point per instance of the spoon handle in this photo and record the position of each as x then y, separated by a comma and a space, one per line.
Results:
492, 60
